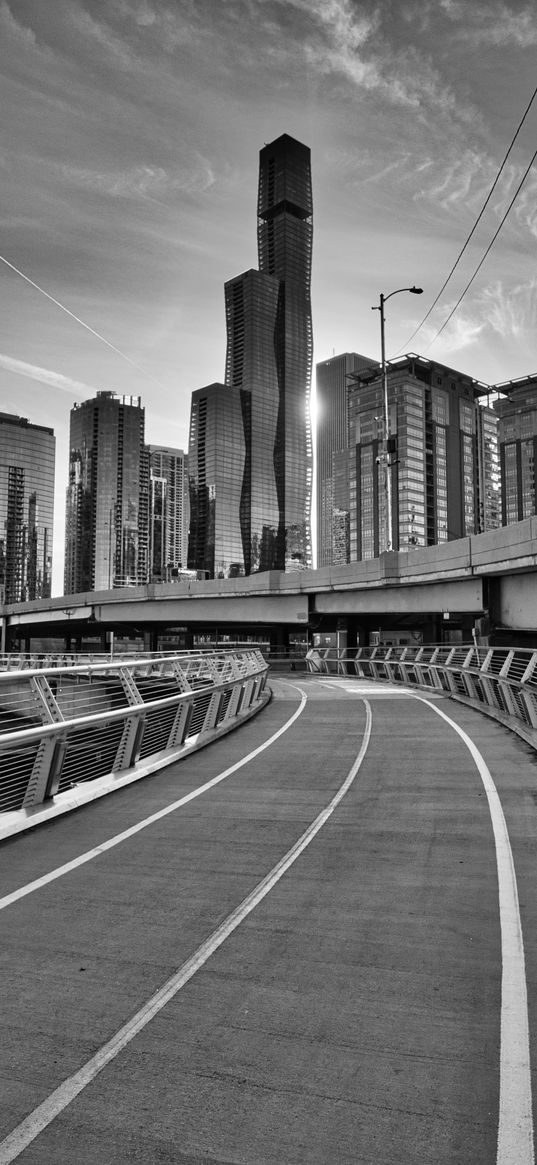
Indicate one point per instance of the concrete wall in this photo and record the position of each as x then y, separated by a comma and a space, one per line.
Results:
518, 601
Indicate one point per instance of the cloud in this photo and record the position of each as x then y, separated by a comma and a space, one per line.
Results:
46, 376
506, 312
495, 24
143, 181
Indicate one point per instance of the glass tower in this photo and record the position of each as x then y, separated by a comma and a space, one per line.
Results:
27, 456
517, 413
168, 512
441, 457
216, 466
107, 508
332, 413
269, 357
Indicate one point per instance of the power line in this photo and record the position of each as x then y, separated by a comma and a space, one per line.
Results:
81, 322
476, 224
480, 264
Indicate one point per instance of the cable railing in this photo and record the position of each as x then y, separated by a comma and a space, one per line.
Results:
501, 680
64, 725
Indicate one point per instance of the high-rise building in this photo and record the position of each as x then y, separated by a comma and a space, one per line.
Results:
216, 466
516, 409
27, 455
332, 474
107, 496
269, 356
441, 480
168, 512
488, 465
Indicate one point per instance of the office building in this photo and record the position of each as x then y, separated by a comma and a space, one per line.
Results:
27, 456
107, 496
516, 409
332, 473
216, 466
441, 481
268, 360
489, 469
168, 513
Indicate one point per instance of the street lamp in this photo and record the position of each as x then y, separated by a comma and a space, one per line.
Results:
385, 455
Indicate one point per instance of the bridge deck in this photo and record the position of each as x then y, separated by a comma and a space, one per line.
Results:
350, 1012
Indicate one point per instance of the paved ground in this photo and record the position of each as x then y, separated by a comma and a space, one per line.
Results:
352, 1015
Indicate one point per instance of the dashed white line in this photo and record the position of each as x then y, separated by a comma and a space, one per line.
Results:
45, 1113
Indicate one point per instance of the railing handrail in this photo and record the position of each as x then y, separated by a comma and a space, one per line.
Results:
155, 709
498, 680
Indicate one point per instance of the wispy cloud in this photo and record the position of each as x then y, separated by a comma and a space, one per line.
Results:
46, 376
142, 181
506, 311
493, 23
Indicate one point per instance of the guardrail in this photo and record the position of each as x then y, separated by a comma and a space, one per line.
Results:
498, 679
62, 726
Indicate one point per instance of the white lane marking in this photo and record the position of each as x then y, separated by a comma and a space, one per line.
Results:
30, 887
515, 1123
370, 688
45, 1113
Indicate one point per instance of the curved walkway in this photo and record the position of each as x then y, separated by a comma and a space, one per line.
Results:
301, 944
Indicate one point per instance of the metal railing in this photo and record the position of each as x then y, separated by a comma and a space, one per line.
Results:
61, 726
498, 679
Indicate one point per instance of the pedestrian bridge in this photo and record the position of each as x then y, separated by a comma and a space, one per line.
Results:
314, 940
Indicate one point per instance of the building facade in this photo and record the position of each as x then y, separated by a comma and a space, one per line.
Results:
516, 410
27, 459
107, 512
169, 509
440, 456
268, 361
332, 473
216, 466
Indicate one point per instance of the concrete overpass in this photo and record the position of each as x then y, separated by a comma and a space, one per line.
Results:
485, 584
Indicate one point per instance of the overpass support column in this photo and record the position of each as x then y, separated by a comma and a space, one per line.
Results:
151, 640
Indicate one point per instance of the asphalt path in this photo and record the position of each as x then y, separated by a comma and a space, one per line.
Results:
313, 941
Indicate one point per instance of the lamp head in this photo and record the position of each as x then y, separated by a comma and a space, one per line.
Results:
416, 290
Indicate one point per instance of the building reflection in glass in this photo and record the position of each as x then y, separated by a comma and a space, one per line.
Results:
107, 508
27, 457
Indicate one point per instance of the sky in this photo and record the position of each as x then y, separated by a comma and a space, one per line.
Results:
129, 154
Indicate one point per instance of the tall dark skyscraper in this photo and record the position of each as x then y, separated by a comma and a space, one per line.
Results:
269, 358
106, 542
27, 454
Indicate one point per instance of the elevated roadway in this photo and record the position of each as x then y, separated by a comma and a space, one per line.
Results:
490, 577
315, 941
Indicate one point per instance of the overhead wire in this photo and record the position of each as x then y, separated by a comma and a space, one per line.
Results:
83, 324
476, 224
480, 264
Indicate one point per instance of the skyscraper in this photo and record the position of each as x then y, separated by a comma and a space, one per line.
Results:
269, 356
216, 464
439, 473
27, 454
107, 495
517, 413
168, 512
332, 442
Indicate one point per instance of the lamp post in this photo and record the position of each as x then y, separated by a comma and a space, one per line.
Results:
386, 415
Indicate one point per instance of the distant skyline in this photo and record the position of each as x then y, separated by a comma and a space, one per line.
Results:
129, 155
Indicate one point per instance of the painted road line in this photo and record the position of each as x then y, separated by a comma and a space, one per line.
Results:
358, 688
45, 1113
515, 1122
59, 872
